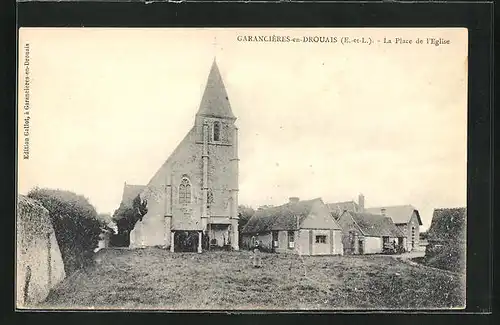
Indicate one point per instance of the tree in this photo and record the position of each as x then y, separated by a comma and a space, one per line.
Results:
244, 213
126, 216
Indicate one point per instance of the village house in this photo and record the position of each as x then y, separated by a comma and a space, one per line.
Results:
366, 233
337, 208
447, 231
39, 264
300, 227
406, 218
193, 197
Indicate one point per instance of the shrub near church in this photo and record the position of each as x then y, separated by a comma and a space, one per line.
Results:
75, 223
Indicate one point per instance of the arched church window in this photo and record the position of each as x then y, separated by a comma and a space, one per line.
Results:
216, 131
185, 191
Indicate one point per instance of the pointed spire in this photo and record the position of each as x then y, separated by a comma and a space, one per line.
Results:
215, 101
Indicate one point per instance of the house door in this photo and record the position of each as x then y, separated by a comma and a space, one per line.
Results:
275, 240
361, 250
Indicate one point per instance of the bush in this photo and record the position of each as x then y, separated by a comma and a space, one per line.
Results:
450, 256
75, 223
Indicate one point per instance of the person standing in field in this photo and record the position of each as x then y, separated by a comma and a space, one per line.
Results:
257, 262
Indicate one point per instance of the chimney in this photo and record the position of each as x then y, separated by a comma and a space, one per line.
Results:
361, 202
382, 211
293, 199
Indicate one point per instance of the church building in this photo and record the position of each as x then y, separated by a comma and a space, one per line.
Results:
192, 199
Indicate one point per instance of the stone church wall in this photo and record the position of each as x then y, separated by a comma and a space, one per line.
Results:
187, 161
220, 178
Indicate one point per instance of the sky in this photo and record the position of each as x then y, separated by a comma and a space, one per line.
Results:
108, 106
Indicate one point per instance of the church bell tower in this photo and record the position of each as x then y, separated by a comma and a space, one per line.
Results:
218, 135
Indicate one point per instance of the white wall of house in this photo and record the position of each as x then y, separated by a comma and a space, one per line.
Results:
301, 243
338, 248
373, 245
321, 248
415, 235
305, 242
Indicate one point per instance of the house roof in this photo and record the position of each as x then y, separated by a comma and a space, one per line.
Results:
343, 206
398, 213
283, 217
130, 192
375, 225
215, 101
448, 224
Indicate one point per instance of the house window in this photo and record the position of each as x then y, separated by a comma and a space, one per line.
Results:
185, 191
385, 240
216, 131
321, 239
291, 239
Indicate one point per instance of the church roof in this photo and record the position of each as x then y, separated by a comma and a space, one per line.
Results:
398, 213
130, 192
215, 101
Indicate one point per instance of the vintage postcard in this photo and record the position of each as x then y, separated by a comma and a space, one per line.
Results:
242, 169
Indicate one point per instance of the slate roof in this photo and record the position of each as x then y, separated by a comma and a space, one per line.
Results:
283, 217
448, 224
215, 101
340, 207
399, 213
376, 225
130, 192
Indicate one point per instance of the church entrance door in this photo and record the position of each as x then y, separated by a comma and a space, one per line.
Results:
186, 241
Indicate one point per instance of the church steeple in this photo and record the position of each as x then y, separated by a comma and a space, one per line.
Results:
215, 102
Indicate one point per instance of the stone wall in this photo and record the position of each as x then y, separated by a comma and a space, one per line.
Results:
39, 264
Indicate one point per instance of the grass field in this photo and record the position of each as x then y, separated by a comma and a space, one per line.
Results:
153, 278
